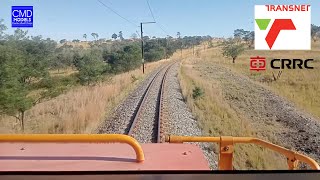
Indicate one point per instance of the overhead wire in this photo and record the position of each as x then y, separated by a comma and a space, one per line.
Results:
155, 19
115, 12
150, 10
131, 22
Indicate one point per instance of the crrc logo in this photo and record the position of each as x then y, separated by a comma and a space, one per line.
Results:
259, 63
282, 27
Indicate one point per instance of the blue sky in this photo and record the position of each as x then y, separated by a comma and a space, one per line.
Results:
70, 19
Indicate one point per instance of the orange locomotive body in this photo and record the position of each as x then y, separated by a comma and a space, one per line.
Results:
112, 152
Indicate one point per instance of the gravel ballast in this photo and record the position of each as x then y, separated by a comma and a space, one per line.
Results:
145, 129
181, 120
119, 121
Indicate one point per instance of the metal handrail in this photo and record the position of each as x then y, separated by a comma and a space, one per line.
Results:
226, 149
76, 138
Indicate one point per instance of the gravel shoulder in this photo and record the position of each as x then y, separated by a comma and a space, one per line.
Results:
270, 115
180, 119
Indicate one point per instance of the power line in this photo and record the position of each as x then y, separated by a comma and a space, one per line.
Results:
117, 13
150, 10
138, 34
155, 18
163, 29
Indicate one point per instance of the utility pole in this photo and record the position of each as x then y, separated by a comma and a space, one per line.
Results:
142, 50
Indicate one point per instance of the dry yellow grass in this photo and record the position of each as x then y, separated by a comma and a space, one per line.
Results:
216, 118
84, 44
300, 86
80, 110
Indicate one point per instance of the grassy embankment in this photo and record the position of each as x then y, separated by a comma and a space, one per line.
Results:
216, 118
215, 115
300, 86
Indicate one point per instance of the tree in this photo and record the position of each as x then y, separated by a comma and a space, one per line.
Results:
124, 59
120, 36
232, 47
315, 32
76, 40
178, 35
13, 94
114, 36
2, 28
249, 38
146, 38
154, 50
85, 36
62, 41
239, 33
76, 61
134, 36
18, 34
91, 66
22, 60
95, 36
102, 40
63, 58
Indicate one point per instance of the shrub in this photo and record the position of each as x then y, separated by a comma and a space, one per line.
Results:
197, 92
133, 78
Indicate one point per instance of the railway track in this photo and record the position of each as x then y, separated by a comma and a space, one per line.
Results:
155, 128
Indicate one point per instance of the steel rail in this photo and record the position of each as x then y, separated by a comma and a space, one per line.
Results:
161, 107
142, 102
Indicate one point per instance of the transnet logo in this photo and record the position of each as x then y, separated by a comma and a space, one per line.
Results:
277, 26
282, 27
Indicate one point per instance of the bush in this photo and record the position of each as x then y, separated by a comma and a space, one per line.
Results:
70, 80
197, 92
46, 82
133, 78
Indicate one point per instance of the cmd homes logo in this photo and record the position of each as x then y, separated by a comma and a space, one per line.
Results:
282, 27
22, 16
